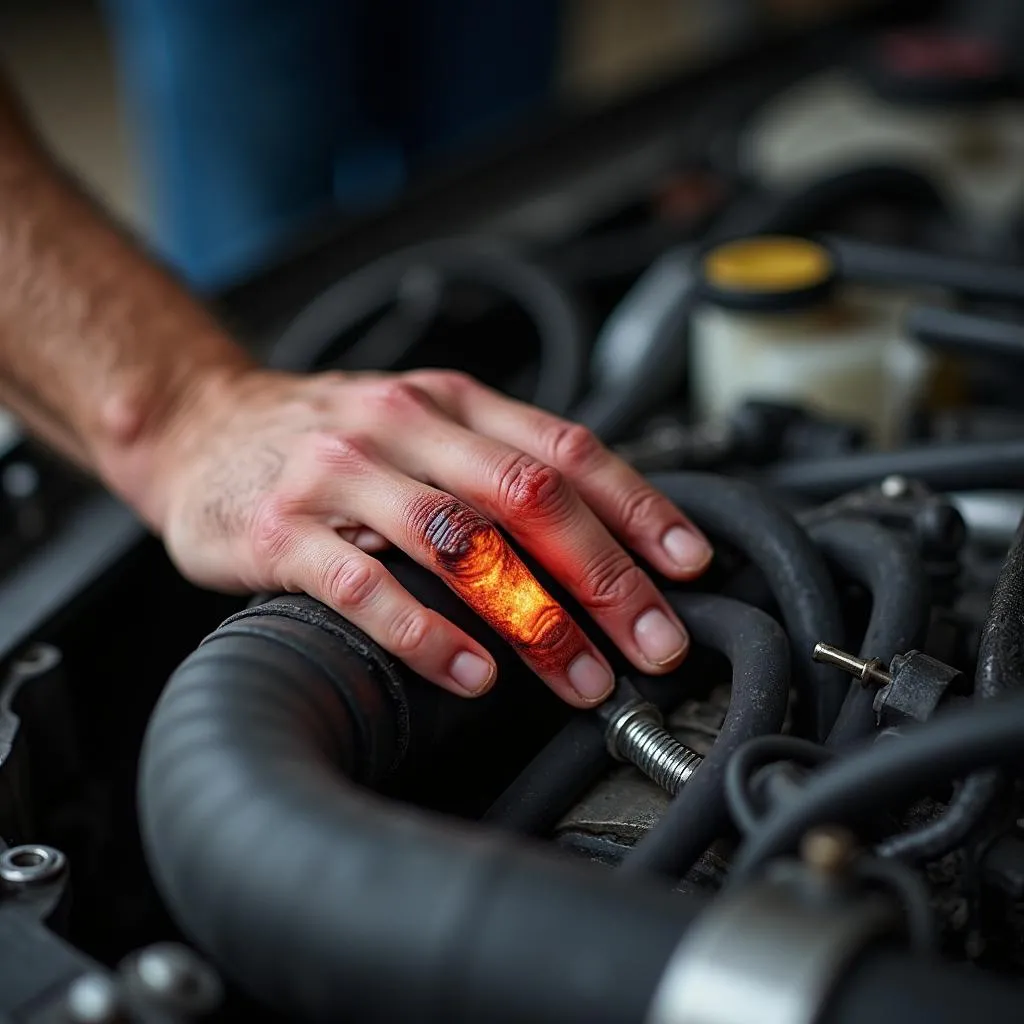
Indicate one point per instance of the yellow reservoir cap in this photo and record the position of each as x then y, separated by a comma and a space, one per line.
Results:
768, 264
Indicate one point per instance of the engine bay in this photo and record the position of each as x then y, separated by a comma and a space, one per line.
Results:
799, 309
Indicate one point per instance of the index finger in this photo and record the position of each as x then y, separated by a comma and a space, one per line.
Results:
641, 517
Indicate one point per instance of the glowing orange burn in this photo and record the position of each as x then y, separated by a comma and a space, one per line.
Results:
493, 580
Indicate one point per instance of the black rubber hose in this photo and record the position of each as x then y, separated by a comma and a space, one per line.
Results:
577, 758
888, 986
324, 900
806, 208
872, 263
640, 355
563, 333
758, 650
889, 567
873, 779
765, 531
966, 334
1000, 671
968, 466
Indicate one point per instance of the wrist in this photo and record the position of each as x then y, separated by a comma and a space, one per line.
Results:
150, 430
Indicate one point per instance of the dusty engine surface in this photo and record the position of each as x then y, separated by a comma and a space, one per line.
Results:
817, 351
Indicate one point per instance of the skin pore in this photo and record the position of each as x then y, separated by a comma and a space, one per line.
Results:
260, 480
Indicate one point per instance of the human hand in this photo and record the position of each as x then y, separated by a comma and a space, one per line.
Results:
271, 481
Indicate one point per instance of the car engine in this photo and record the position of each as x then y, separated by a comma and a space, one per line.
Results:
800, 311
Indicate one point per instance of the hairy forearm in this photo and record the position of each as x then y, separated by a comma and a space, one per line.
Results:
99, 347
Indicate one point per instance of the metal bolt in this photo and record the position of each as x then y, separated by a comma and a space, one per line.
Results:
31, 865
175, 976
637, 735
895, 487
870, 673
828, 849
93, 999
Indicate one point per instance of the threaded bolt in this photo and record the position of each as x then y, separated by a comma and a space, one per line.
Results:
637, 735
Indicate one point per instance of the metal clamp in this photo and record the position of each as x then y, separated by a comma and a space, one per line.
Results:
766, 953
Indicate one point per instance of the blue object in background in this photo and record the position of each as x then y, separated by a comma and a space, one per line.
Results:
251, 117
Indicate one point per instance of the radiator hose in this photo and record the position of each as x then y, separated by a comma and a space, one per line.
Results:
327, 902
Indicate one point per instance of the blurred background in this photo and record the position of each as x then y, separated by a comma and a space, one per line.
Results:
164, 114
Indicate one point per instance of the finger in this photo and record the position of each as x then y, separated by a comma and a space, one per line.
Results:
542, 510
640, 516
472, 557
307, 556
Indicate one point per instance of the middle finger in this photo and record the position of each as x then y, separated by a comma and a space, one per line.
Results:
548, 517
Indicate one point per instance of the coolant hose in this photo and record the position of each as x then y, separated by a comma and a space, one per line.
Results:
959, 466
766, 532
759, 653
563, 333
639, 357
328, 902
1000, 670
875, 778
890, 569
577, 758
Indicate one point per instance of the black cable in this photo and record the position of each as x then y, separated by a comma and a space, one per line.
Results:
912, 892
1000, 670
889, 567
564, 337
870, 780
756, 754
766, 532
968, 466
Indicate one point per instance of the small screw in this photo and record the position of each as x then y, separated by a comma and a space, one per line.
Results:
828, 849
93, 999
636, 734
870, 673
31, 865
895, 487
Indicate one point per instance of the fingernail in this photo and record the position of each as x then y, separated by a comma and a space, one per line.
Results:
589, 678
688, 550
660, 640
471, 672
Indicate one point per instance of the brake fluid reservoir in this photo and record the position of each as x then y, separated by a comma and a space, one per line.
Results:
774, 323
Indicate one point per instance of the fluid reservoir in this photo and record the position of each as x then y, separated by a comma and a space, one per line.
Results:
930, 102
774, 323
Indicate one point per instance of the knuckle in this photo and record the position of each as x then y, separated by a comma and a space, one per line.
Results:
408, 632
400, 398
348, 452
351, 582
447, 526
638, 509
612, 578
447, 382
572, 445
527, 486
273, 529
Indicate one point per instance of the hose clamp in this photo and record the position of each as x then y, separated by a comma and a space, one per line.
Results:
769, 953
